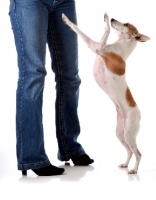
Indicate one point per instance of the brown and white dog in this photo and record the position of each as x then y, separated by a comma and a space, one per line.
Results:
109, 73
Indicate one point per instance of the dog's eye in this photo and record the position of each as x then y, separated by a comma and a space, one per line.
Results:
126, 24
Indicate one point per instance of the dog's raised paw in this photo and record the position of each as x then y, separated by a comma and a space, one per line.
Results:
106, 19
64, 17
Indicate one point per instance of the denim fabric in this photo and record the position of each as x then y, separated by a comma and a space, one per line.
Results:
36, 23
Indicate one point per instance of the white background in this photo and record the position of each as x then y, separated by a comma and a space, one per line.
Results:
102, 180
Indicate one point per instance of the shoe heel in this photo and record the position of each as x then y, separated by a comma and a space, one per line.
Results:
24, 172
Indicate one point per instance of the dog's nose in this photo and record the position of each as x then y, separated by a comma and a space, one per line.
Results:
112, 20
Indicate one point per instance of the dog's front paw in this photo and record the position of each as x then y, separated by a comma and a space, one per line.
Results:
106, 18
132, 171
65, 19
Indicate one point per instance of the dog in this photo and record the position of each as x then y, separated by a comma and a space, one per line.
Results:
109, 72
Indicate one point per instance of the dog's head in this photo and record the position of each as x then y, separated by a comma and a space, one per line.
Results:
128, 31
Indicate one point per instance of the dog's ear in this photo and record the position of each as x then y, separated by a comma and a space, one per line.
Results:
141, 38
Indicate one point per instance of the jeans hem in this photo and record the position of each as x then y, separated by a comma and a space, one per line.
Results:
33, 165
71, 155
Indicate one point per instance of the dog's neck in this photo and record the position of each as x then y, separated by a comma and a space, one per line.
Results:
124, 47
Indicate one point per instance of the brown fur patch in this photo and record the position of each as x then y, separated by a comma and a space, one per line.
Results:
114, 63
129, 98
133, 32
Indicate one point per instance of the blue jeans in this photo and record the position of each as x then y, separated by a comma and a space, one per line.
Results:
35, 23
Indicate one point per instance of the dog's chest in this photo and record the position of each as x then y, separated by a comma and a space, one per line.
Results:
110, 82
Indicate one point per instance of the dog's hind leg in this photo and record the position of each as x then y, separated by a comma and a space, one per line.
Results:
120, 136
131, 130
90, 43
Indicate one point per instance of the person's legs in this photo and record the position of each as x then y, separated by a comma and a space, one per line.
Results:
29, 21
64, 53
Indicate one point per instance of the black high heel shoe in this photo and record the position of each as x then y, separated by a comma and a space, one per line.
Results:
82, 160
24, 172
50, 170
